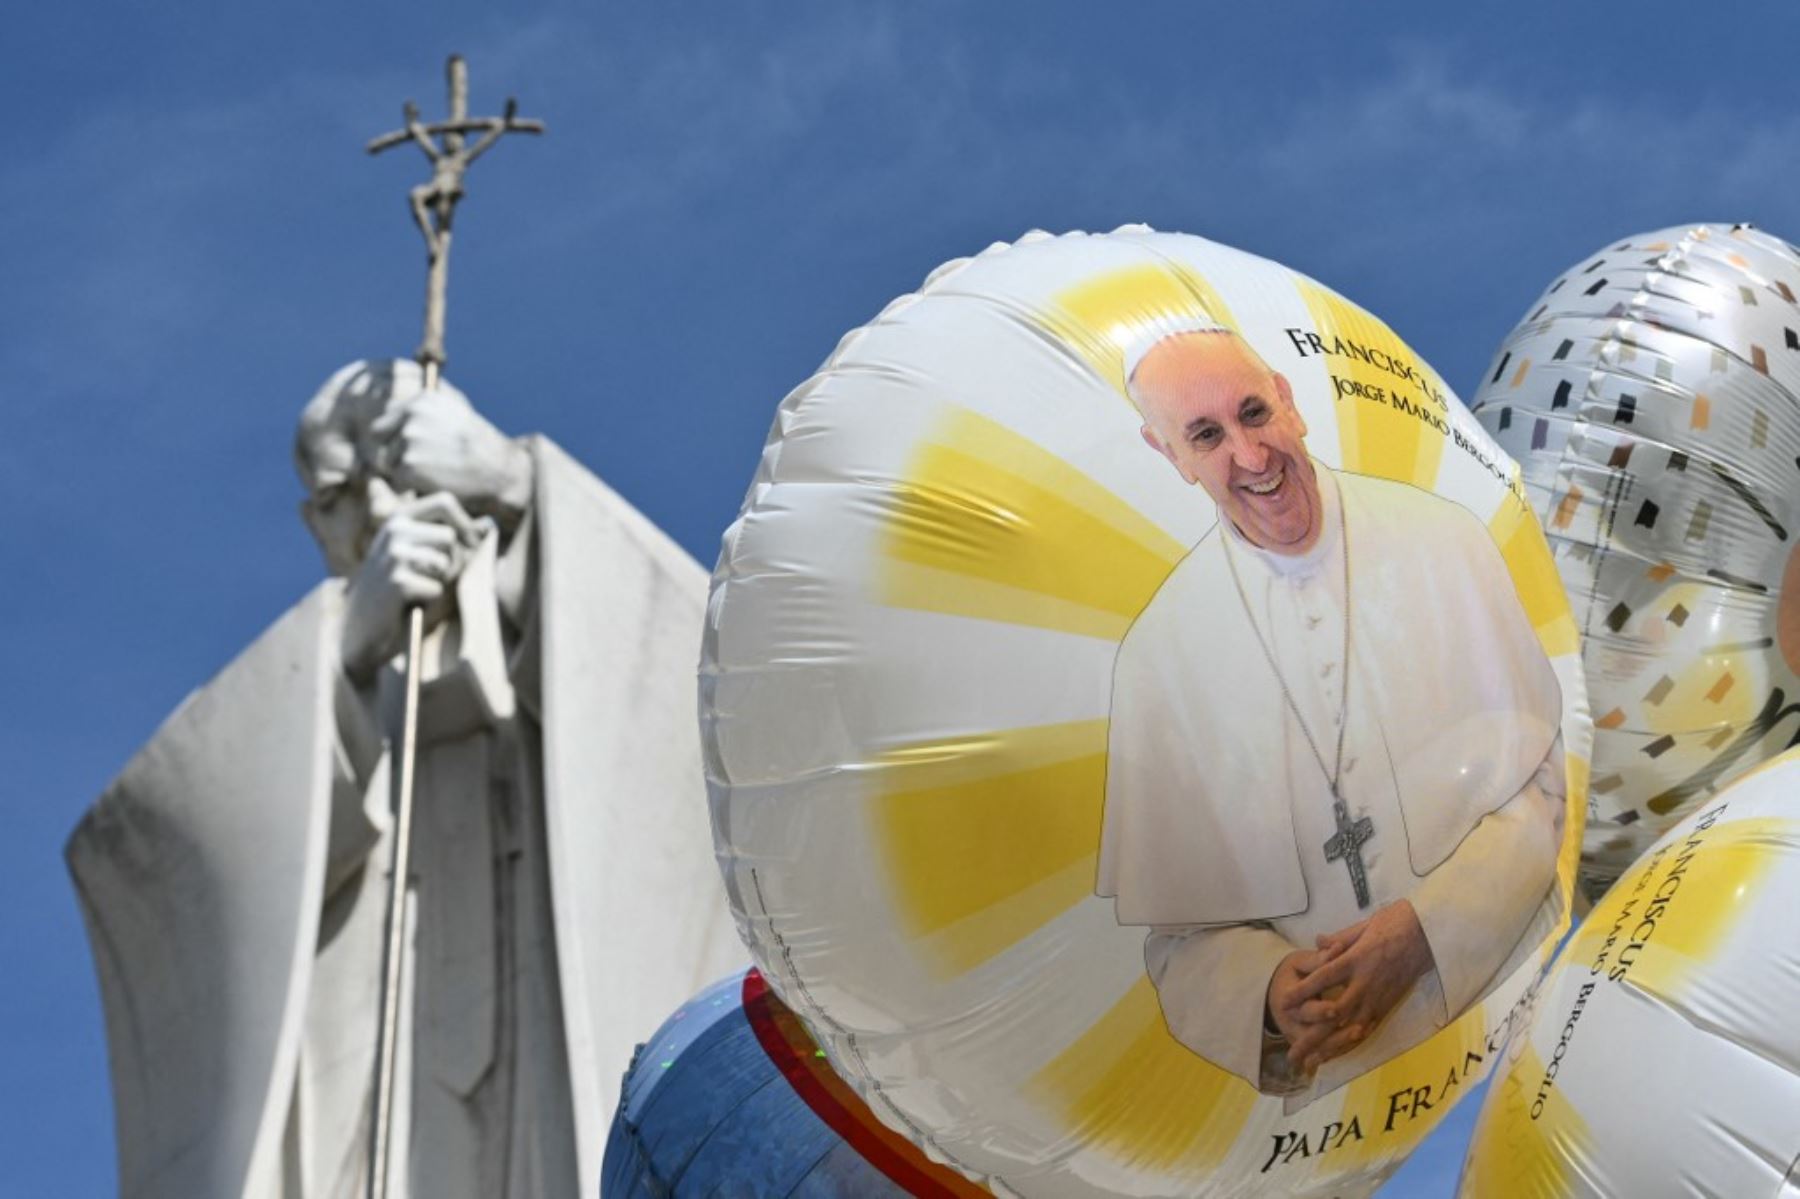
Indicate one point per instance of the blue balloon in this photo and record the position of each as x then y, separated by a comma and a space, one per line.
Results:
705, 1111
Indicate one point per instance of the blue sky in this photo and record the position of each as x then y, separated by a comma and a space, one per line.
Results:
193, 239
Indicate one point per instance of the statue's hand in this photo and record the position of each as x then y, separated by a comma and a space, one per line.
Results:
1372, 965
418, 552
436, 441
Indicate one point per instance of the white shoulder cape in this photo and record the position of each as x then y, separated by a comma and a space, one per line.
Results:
1195, 830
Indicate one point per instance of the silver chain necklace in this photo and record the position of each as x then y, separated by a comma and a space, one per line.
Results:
1348, 841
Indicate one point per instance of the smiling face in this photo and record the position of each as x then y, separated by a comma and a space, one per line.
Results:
1227, 422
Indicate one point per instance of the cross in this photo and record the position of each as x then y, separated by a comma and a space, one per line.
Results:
1347, 844
434, 203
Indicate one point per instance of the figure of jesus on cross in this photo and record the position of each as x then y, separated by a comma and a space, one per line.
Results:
434, 201
1347, 843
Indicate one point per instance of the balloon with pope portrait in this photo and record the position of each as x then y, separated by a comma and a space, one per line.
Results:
1144, 725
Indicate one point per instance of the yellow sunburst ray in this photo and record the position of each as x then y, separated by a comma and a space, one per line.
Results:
1515, 530
1514, 1154
1727, 869
990, 525
1399, 436
990, 836
1130, 1088
1100, 317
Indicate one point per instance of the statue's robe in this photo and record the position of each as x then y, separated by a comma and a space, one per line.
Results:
234, 880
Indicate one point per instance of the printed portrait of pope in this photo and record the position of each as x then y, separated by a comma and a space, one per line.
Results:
1335, 779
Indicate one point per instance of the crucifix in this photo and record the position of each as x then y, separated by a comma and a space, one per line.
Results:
446, 145
1347, 844
434, 202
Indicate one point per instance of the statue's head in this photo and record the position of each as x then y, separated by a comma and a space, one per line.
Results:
348, 490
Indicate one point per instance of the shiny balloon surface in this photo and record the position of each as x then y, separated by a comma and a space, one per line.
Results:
1652, 396
1662, 1055
912, 694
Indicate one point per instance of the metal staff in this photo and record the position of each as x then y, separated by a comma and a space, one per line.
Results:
433, 206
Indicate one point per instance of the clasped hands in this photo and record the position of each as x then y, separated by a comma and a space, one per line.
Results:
1328, 999
435, 461
435, 441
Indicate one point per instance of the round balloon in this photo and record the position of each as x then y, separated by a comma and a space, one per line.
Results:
1663, 1055
1653, 398
1144, 725
731, 1097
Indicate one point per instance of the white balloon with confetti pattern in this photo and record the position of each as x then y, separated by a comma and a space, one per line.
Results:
907, 693
1653, 398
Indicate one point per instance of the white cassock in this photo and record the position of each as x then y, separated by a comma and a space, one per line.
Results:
234, 881
1218, 812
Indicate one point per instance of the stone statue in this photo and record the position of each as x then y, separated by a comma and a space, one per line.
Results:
564, 896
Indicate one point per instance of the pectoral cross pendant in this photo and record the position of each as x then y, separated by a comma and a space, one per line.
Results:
1347, 844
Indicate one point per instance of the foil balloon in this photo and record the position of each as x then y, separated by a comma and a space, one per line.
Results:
731, 1097
1663, 1056
1144, 726
1653, 398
